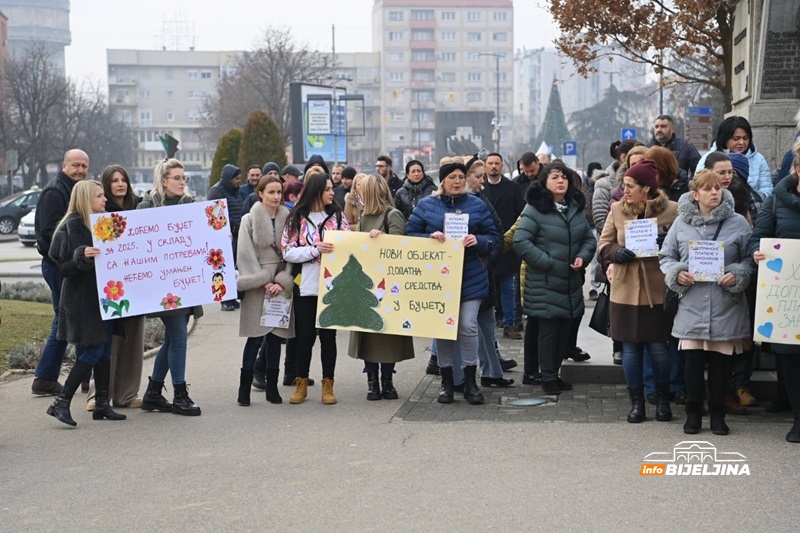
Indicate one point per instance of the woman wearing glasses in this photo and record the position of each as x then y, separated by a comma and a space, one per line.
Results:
170, 189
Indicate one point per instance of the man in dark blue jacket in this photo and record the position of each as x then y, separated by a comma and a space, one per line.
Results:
685, 152
51, 208
253, 175
228, 188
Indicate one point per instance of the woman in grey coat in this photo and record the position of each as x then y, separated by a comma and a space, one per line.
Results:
262, 271
713, 320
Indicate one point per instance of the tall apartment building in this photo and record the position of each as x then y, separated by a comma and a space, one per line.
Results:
441, 55
45, 21
162, 91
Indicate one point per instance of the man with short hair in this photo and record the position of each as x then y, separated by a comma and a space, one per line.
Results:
685, 152
529, 168
348, 173
253, 175
336, 175
383, 167
508, 203
51, 208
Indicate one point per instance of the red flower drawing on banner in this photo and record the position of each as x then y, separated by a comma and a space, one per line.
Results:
114, 290
170, 301
215, 259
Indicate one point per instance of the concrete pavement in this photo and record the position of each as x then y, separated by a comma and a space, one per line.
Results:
356, 466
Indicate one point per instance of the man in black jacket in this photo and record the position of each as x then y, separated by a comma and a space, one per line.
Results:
685, 152
348, 173
529, 168
504, 195
51, 208
383, 167
228, 188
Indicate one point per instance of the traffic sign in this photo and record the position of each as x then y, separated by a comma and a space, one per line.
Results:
570, 148
628, 133
701, 111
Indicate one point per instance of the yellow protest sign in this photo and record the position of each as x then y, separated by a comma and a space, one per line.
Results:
390, 284
777, 317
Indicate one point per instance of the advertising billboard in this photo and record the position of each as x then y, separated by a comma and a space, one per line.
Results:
319, 122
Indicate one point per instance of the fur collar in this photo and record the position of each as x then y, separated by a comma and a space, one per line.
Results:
690, 212
651, 208
263, 232
542, 199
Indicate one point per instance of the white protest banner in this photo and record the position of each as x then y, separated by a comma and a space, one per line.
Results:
163, 258
707, 260
641, 236
276, 311
456, 226
777, 317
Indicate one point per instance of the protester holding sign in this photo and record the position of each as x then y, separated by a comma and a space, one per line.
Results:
713, 319
555, 240
302, 244
379, 217
637, 288
780, 218
170, 189
428, 220
80, 322
262, 272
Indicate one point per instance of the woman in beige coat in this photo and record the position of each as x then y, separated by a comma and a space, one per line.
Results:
380, 216
262, 271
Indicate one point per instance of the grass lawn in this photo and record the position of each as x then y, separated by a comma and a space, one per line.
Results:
22, 322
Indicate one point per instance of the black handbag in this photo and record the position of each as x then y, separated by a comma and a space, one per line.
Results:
601, 316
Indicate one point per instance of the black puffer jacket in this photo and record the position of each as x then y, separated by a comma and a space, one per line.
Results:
409, 195
224, 189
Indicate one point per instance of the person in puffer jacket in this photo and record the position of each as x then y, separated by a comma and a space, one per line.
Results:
416, 186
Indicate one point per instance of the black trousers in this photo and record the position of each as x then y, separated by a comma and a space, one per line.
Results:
719, 372
791, 380
553, 342
530, 346
305, 317
573, 334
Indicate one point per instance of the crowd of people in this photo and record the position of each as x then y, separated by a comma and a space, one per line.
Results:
531, 243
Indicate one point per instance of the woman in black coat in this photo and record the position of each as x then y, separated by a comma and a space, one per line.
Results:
79, 320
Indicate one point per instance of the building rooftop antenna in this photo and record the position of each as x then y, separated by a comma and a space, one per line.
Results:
177, 32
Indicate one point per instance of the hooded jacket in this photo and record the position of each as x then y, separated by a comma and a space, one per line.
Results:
760, 177
394, 183
708, 311
409, 195
679, 187
684, 151
224, 189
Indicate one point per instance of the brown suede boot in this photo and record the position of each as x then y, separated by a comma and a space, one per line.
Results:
327, 392
301, 392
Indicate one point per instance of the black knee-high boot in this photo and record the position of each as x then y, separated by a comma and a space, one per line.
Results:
791, 377
102, 378
60, 407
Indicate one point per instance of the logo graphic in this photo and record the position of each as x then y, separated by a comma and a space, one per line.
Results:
694, 458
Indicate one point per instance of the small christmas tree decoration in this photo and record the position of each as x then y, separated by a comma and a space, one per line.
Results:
350, 301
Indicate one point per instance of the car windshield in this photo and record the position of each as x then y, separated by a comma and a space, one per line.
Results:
8, 199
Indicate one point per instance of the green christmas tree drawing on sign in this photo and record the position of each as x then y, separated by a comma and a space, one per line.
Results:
350, 301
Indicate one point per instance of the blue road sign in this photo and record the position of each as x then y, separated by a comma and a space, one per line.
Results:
702, 111
628, 133
570, 148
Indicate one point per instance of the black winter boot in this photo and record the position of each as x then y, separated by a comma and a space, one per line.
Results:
102, 407
60, 407
153, 400
717, 415
637, 413
472, 393
694, 418
663, 411
245, 381
373, 387
260, 370
794, 433
433, 366
446, 392
273, 396
182, 404
387, 387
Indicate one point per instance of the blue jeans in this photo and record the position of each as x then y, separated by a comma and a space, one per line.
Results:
172, 354
49, 366
633, 362
677, 362
507, 298
94, 354
387, 369
458, 372
487, 354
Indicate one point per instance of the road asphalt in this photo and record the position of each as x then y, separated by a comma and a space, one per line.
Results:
357, 466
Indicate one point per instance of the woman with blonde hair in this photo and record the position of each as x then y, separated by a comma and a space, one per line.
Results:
79, 320
169, 190
378, 217
353, 204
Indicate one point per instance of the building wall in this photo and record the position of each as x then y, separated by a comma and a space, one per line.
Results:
38, 20
163, 91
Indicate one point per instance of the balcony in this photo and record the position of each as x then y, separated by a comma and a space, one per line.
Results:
423, 65
122, 81
124, 101
423, 84
429, 44
422, 24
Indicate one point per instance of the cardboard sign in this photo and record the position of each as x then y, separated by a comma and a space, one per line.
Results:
276, 311
707, 260
163, 258
641, 236
777, 317
391, 284
456, 226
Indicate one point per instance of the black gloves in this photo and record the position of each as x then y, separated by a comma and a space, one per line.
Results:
660, 239
624, 256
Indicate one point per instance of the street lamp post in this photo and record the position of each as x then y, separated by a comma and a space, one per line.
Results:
496, 130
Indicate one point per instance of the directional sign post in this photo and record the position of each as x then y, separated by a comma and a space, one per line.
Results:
569, 148
699, 127
627, 134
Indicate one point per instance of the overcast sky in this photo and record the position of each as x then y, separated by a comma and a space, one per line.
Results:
236, 24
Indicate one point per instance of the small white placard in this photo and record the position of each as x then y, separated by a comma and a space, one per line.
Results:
707, 260
641, 236
275, 311
456, 226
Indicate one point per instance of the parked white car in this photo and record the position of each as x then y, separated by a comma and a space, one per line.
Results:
26, 230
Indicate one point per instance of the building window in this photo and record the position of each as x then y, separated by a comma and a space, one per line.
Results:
449, 77
170, 94
474, 16
395, 16
396, 56
422, 14
500, 76
500, 36
503, 96
422, 55
424, 136
396, 137
205, 74
448, 36
473, 76
474, 36
170, 116
395, 36
397, 116
422, 35
448, 15
396, 76
473, 57
227, 71
193, 74
145, 117
194, 115
125, 116
500, 16
473, 97
422, 96
193, 95
144, 94
448, 57
422, 75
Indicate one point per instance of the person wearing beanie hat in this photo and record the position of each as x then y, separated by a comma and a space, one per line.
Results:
339, 193
416, 186
637, 284
740, 164
271, 167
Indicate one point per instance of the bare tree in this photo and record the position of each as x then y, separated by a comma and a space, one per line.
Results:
261, 82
